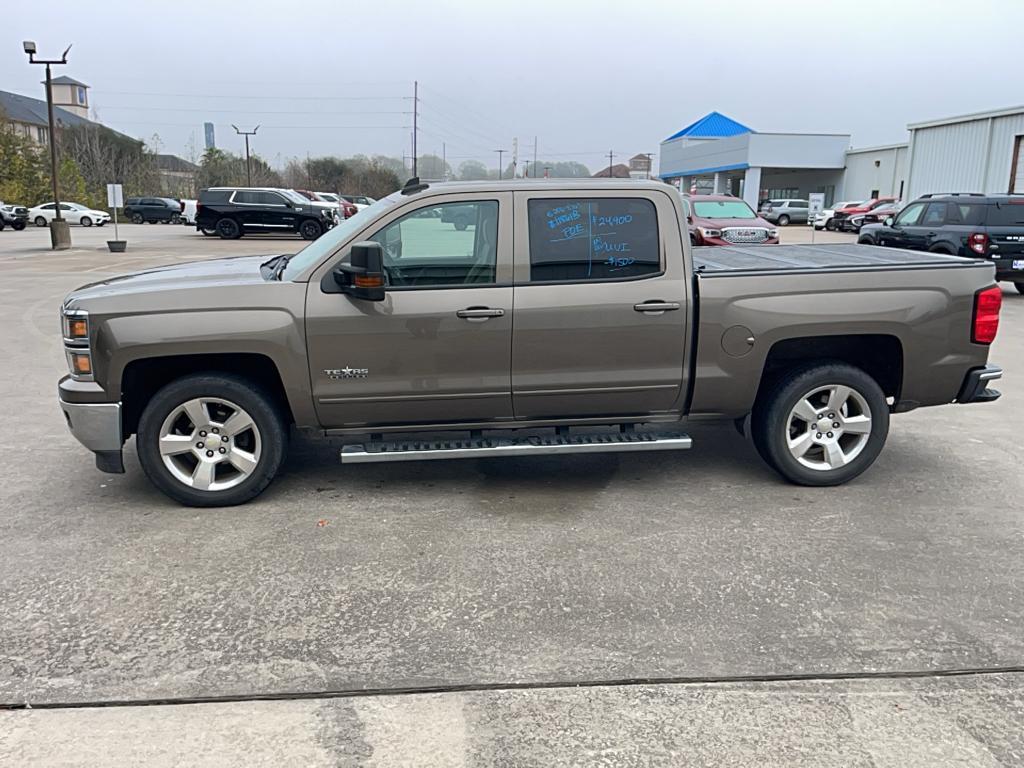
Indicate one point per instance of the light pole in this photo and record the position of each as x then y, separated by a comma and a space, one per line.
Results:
500, 153
248, 167
650, 163
60, 232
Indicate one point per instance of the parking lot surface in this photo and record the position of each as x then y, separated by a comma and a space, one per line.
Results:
657, 573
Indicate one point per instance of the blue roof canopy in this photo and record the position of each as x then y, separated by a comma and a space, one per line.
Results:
714, 125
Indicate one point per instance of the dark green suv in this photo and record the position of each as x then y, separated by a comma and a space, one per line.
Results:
971, 224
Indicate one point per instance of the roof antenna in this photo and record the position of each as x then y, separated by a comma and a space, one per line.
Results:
413, 185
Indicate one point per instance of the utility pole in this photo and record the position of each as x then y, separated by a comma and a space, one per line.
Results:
60, 233
415, 121
650, 163
444, 161
610, 156
309, 172
500, 153
534, 157
248, 165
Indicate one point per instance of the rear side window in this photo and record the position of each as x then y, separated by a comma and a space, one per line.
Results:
580, 239
965, 213
935, 215
1006, 215
211, 196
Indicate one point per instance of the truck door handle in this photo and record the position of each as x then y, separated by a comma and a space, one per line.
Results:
479, 314
657, 306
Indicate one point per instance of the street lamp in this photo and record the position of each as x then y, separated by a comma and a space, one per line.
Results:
248, 168
500, 153
60, 232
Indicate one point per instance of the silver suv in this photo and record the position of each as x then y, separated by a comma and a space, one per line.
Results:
782, 212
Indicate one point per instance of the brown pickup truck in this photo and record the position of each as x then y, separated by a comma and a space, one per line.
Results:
565, 317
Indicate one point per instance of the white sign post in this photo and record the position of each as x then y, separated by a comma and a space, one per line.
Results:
115, 200
815, 205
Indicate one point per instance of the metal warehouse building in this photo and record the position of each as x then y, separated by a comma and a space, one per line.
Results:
980, 152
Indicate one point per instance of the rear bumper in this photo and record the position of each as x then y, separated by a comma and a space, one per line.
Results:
1005, 270
975, 387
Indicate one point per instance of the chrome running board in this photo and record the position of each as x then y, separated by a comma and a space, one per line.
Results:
489, 447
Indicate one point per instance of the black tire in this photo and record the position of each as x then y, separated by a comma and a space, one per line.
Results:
310, 229
866, 240
2, 225
228, 229
1019, 287
175, 218
783, 220
773, 422
830, 225
138, 218
19, 225
40, 221
85, 221
461, 224
248, 395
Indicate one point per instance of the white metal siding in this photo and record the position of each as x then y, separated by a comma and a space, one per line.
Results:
1004, 133
862, 176
949, 158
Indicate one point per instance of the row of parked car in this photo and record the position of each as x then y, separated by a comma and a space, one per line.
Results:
242, 209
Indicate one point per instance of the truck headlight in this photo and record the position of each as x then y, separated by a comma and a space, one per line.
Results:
75, 329
76, 326
773, 233
709, 232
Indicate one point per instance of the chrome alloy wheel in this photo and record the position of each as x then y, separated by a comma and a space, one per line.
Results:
828, 427
210, 444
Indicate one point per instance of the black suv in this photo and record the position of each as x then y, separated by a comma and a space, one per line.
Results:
973, 224
152, 209
234, 211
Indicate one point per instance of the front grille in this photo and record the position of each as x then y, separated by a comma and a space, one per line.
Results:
745, 234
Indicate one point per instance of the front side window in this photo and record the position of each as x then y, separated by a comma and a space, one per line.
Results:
935, 215
442, 245
593, 239
910, 215
798, 204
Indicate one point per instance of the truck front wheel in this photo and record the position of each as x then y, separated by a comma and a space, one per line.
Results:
211, 440
822, 424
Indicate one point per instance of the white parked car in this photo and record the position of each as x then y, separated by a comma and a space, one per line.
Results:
360, 201
823, 219
73, 213
188, 212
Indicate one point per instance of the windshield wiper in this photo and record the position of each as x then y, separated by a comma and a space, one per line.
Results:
282, 262
275, 266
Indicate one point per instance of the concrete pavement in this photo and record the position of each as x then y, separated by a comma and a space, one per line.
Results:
468, 573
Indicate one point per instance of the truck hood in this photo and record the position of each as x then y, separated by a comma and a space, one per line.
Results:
237, 270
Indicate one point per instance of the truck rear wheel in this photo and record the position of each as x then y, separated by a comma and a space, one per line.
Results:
211, 440
822, 424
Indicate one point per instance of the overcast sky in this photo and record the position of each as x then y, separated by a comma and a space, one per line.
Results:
584, 76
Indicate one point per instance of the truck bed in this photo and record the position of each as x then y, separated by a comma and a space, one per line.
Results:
714, 260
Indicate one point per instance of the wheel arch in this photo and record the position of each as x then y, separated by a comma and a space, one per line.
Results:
879, 355
143, 377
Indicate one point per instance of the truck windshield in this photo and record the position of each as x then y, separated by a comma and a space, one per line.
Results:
331, 240
723, 209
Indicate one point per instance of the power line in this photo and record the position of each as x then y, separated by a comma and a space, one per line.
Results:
205, 111
262, 97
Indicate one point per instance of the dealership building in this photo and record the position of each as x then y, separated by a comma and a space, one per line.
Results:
981, 152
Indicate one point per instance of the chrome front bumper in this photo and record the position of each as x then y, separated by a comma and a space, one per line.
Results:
97, 426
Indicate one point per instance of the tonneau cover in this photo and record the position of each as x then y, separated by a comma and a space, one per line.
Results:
758, 258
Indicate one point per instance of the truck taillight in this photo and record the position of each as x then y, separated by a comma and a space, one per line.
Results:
978, 242
985, 324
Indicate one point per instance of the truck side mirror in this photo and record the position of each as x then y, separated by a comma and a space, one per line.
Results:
888, 220
363, 277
